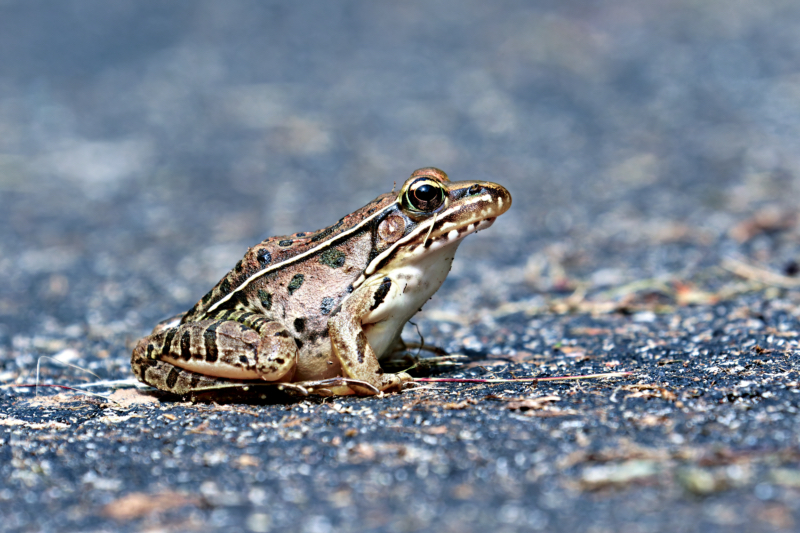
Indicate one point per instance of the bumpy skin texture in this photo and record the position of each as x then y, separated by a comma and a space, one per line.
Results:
325, 304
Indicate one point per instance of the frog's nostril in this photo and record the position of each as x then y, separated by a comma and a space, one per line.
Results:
475, 189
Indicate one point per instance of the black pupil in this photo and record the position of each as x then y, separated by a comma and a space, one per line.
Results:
425, 193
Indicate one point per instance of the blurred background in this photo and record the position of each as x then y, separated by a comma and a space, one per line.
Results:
145, 145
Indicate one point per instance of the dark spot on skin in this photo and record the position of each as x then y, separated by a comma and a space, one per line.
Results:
150, 349
238, 266
264, 257
299, 343
206, 298
333, 258
296, 282
243, 359
282, 333
172, 378
300, 234
168, 341
325, 333
225, 286
327, 231
147, 363
299, 325
210, 342
349, 289
361, 346
327, 305
194, 381
186, 353
266, 299
372, 255
240, 300
285, 243
280, 360
380, 294
379, 371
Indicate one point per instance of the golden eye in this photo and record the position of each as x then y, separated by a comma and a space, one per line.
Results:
424, 194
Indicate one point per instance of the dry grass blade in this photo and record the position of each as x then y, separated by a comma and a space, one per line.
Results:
528, 380
759, 274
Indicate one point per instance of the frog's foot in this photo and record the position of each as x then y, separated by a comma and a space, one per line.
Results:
395, 382
387, 383
347, 386
337, 387
410, 360
404, 356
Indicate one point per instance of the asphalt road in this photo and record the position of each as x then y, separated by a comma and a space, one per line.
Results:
651, 151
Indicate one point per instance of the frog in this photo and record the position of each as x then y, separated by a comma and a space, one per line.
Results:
318, 311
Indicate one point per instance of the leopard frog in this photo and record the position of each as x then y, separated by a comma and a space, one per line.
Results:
317, 311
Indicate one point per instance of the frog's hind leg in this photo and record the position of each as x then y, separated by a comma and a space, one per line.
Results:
170, 378
222, 351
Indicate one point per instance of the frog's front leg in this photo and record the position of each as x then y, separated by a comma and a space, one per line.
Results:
349, 343
208, 354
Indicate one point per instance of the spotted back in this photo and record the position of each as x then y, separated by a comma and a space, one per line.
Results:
276, 253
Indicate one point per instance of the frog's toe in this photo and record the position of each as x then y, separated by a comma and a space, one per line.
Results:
394, 382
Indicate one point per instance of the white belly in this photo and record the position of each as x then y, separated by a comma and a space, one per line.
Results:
413, 283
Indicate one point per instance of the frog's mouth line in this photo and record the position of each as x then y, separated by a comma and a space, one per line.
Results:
447, 233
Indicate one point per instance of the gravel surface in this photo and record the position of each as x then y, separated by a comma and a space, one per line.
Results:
651, 150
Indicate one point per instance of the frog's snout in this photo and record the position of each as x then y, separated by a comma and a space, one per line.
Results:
500, 198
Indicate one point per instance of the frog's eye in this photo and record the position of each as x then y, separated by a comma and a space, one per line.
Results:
424, 194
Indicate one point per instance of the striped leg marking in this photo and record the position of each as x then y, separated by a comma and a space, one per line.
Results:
212, 352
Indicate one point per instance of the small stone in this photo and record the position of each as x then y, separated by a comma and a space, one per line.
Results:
698, 481
259, 522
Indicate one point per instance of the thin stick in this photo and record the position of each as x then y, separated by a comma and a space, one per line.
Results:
529, 380
114, 383
53, 385
39, 363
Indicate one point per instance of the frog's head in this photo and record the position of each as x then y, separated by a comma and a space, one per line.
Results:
431, 212
450, 210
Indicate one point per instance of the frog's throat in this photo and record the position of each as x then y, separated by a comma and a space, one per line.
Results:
299, 257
